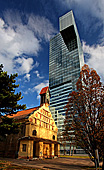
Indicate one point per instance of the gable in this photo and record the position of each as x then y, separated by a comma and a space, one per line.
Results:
42, 117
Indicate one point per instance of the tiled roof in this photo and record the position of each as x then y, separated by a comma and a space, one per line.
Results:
44, 90
22, 114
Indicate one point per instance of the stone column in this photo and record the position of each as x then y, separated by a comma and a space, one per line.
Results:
48, 154
40, 149
30, 149
52, 145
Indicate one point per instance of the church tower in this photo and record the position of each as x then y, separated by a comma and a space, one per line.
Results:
45, 96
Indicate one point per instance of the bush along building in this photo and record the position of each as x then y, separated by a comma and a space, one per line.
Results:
38, 134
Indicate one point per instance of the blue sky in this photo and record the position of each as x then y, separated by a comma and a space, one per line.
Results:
26, 27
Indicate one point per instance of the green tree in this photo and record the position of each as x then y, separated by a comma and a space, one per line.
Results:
8, 103
8, 97
8, 126
86, 110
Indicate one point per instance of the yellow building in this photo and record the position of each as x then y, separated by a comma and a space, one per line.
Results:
40, 131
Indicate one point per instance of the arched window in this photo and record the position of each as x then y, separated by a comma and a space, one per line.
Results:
34, 133
53, 137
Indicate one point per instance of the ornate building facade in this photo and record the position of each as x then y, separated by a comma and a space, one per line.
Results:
38, 135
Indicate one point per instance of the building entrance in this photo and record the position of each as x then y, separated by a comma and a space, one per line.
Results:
34, 149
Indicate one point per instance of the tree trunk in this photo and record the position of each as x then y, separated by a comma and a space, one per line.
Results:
73, 151
70, 150
64, 151
96, 163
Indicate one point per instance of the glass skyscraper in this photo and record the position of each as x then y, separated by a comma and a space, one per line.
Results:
65, 62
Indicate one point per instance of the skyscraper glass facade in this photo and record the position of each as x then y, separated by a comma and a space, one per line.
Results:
65, 62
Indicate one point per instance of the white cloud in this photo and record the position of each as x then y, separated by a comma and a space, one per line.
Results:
25, 64
15, 43
38, 75
18, 39
37, 88
38, 97
41, 26
41, 85
27, 77
96, 59
36, 64
90, 7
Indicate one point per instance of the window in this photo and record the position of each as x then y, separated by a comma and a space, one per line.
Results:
34, 132
53, 137
40, 116
24, 147
35, 121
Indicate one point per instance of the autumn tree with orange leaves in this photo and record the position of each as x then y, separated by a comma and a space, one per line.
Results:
85, 108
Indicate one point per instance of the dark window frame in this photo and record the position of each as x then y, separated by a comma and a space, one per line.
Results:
24, 147
34, 132
53, 137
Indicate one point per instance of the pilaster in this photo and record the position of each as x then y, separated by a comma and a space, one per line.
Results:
40, 149
52, 147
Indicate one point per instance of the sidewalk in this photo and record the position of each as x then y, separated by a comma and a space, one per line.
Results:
54, 164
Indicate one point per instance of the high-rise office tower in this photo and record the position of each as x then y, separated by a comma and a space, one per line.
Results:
65, 62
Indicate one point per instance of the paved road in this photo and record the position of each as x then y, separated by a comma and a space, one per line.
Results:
55, 164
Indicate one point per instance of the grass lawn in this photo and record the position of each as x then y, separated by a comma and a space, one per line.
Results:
5, 165
92, 168
74, 156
